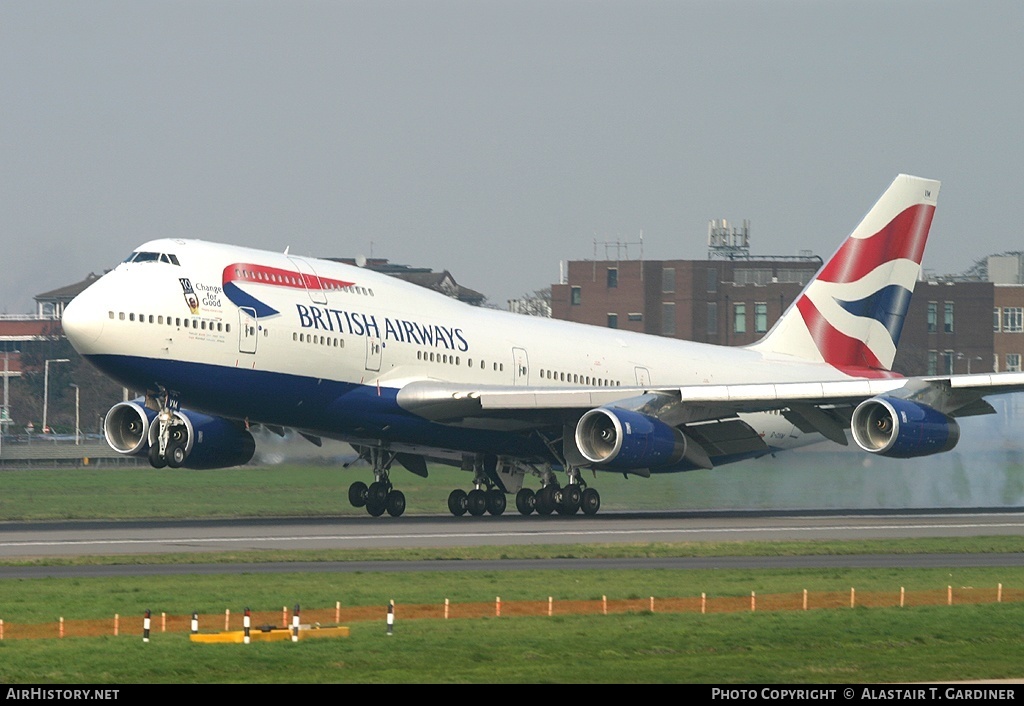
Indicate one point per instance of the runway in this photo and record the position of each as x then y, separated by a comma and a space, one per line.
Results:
24, 540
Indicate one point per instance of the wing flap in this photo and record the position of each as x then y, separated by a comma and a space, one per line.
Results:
732, 437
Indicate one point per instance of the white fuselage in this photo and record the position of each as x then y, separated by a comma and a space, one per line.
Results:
231, 308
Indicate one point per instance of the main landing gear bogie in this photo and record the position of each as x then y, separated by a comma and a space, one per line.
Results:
549, 499
552, 498
379, 497
476, 502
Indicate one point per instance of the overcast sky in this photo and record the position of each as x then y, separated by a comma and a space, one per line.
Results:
495, 138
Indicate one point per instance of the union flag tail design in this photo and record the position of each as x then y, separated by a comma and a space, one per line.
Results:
851, 314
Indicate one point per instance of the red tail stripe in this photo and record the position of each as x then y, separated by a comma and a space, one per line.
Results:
838, 349
903, 238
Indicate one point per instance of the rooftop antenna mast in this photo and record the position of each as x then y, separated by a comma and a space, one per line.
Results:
727, 243
621, 247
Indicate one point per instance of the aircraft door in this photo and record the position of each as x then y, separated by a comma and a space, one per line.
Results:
374, 352
248, 327
521, 366
314, 288
643, 376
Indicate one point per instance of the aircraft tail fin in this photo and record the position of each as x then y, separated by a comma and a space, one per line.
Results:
852, 313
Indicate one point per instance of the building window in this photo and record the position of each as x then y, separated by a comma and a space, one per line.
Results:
933, 362
613, 277
1013, 362
739, 318
713, 280
760, 317
668, 280
613, 320
947, 317
668, 319
575, 296
995, 319
933, 317
712, 317
636, 316
752, 276
947, 362
1013, 319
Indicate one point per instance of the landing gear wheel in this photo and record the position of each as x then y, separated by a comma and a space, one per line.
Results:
357, 493
526, 501
175, 454
496, 502
375, 509
377, 493
477, 502
458, 502
155, 459
546, 500
570, 500
590, 502
396, 503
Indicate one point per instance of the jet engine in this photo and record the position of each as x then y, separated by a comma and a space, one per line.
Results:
620, 439
891, 426
207, 442
126, 428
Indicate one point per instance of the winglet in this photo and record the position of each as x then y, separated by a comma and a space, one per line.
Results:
851, 314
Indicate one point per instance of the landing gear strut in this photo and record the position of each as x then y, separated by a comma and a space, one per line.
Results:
170, 447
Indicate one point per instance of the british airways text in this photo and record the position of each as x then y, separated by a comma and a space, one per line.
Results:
356, 323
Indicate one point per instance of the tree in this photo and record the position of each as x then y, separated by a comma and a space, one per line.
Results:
536, 304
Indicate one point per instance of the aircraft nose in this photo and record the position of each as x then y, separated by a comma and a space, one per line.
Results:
82, 323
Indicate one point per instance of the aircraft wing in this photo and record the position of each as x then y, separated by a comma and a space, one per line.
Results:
454, 403
450, 402
708, 413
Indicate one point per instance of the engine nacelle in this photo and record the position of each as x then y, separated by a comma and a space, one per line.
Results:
619, 439
209, 442
890, 426
126, 428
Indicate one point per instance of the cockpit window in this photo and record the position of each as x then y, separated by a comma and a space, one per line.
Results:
141, 256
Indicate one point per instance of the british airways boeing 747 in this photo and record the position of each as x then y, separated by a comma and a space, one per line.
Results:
222, 337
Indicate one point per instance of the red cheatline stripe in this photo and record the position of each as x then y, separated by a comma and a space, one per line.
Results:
838, 349
275, 276
903, 238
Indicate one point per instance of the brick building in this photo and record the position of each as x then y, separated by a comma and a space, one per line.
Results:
726, 302
960, 324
